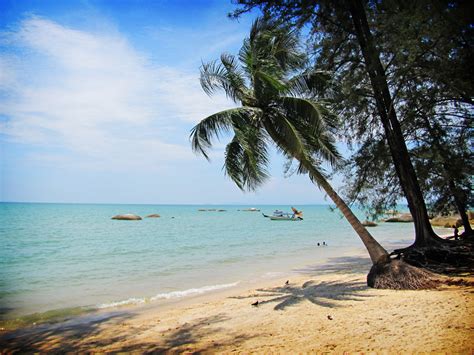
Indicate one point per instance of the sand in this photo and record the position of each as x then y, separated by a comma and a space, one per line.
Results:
324, 308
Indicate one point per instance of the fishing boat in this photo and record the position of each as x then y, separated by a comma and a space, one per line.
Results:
285, 216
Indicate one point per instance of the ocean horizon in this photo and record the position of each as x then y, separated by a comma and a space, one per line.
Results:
67, 255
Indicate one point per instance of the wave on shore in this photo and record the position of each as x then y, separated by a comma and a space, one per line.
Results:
167, 296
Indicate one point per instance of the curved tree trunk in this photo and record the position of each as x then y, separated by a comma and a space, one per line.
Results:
461, 209
377, 253
424, 234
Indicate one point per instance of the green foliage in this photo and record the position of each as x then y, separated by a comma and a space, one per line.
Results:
278, 106
426, 49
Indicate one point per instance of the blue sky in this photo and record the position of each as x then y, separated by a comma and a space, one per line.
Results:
97, 99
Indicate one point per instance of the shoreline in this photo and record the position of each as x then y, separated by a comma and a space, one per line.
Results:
176, 298
291, 265
325, 307
322, 301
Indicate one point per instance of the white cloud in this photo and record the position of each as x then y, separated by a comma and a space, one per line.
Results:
94, 95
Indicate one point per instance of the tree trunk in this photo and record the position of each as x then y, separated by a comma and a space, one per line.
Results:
448, 169
424, 234
377, 253
385, 273
461, 209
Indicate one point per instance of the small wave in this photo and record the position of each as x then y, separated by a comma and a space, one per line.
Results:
168, 295
192, 291
122, 303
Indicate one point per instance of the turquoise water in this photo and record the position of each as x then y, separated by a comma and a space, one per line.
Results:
55, 256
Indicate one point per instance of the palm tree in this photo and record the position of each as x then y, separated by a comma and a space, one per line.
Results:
278, 108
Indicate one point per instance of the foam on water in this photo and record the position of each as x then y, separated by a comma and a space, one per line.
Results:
168, 295
192, 291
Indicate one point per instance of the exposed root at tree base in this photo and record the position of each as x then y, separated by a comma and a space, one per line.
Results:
456, 257
459, 282
398, 275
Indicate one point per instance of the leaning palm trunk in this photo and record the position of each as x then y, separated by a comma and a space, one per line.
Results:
385, 272
377, 253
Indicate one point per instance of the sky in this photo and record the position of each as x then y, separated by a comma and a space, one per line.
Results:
97, 100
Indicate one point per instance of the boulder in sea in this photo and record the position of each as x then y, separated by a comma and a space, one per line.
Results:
403, 217
127, 217
369, 224
446, 221
153, 216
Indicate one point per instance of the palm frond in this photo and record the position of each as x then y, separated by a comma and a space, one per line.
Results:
223, 76
315, 122
270, 81
235, 77
310, 83
246, 157
286, 49
215, 125
285, 135
232, 162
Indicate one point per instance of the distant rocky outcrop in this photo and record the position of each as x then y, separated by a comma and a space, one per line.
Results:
402, 217
446, 221
153, 216
369, 224
127, 217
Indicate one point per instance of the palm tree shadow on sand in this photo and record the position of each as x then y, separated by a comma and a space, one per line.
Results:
324, 294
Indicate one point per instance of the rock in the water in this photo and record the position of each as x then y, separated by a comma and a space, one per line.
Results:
403, 217
153, 216
127, 217
447, 221
369, 224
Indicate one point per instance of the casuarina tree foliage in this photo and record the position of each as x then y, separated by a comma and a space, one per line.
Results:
380, 54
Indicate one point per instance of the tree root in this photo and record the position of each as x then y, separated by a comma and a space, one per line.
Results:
398, 275
458, 282
455, 257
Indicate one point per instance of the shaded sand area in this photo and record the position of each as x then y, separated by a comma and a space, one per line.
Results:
323, 308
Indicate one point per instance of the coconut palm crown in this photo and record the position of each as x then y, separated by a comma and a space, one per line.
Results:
273, 107
277, 107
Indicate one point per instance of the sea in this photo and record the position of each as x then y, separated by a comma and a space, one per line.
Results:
70, 256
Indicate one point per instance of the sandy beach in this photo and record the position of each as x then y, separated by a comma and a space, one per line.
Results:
324, 308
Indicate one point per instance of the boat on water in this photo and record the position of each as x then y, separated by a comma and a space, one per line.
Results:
285, 216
